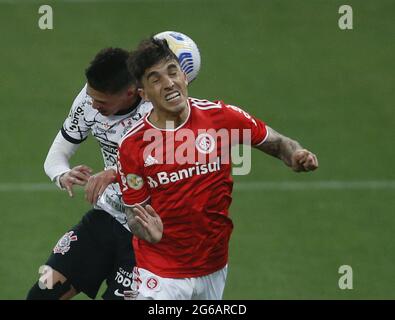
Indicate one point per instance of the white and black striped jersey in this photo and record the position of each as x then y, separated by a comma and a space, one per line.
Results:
107, 130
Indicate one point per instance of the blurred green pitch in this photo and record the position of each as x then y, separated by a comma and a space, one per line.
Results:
284, 61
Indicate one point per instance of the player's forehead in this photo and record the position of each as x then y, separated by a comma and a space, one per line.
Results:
92, 92
163, 66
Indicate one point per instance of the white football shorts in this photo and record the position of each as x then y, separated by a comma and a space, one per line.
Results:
149, 286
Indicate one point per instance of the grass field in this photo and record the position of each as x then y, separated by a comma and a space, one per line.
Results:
284, 61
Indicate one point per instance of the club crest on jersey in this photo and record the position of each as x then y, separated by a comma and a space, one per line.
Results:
63, 245
152, 283
205, 143
134, 181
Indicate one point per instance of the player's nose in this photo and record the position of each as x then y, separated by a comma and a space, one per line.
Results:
169, 83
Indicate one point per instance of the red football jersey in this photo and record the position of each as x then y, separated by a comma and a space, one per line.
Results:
186, 173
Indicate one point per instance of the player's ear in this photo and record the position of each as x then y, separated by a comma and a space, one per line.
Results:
185, 79
142, 94
131, 91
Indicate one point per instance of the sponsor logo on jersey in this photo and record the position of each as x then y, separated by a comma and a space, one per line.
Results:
152, 183
164, 177
118, 294
134, 181
125, 279
63, 245
108, 148
75, 117
205, 143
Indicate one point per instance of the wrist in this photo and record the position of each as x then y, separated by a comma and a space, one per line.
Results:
112, 173
58, 180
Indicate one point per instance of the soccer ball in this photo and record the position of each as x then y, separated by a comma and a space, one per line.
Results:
185, 49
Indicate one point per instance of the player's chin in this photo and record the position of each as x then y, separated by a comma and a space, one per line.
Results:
176, 107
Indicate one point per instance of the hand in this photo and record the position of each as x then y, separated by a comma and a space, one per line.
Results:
78, 175
304, 160
98, 183
150, 221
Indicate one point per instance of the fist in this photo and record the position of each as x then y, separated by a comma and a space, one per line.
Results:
304, 160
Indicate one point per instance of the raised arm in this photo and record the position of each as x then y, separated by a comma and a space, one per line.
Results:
73, 132
289, 151
57, 165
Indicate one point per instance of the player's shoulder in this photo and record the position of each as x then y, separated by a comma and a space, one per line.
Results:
134, 134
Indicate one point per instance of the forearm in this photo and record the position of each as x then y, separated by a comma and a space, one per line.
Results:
57, 160
280, 146
286, 148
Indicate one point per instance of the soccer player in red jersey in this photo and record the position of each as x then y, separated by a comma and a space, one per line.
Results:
175, 162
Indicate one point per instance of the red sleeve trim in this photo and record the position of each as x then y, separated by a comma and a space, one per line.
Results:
264, 139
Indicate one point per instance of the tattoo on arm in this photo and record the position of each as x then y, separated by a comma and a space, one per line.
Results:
279, 146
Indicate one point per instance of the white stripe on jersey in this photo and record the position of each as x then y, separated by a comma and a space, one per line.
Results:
205, 104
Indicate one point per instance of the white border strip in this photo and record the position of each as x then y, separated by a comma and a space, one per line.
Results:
239, 186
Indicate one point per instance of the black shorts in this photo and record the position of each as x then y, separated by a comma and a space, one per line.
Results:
98, 248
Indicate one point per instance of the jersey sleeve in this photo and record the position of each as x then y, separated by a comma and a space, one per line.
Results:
75, 129
250, 129
130, 176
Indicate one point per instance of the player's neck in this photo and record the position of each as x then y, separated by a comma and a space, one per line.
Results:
162, 119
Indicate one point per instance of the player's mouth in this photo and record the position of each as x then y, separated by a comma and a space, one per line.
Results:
172, 96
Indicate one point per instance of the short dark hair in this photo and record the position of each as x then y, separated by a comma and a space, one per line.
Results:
148, 53
108, 71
